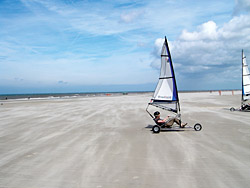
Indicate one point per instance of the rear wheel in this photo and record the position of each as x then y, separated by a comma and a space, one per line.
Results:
197, 127
232, 109
156, 129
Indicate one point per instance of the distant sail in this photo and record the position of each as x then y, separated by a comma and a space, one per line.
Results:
166, 93
245, 79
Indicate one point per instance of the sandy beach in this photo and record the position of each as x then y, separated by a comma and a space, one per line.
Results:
107, 142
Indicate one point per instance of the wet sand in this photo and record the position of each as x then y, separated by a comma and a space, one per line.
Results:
107, 142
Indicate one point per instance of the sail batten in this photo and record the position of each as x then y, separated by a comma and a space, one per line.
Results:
166, 94
166, 78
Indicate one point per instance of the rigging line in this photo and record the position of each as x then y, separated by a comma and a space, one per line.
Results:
166, 77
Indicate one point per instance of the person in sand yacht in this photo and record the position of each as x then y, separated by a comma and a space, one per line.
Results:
245, 106
168, 121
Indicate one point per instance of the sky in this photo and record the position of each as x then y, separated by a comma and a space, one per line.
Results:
53, 46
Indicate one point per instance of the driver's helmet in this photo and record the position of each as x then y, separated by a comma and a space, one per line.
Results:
156, 113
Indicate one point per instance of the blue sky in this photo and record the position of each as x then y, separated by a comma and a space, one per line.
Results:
83, 45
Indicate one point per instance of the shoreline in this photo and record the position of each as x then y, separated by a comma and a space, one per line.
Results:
4, 97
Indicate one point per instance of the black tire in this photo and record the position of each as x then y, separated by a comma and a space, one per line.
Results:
156, 129
232, 109
197, 127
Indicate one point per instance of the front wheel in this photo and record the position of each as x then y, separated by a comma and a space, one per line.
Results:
156, 129
232, 109
197, 127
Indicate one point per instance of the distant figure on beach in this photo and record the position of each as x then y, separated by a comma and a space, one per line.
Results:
168, 121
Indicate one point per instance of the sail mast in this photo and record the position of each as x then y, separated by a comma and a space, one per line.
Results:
242, 87
172, 68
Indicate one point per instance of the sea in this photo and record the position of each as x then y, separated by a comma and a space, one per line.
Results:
64, 95
29, 96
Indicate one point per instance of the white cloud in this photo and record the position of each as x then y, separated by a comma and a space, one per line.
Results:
210, 52
205, 31
238, 27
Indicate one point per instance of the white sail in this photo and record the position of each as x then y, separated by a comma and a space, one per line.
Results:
245, 79
166, 94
